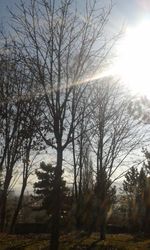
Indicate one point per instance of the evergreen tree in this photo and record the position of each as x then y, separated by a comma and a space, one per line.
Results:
44, 187
147, 163
146, 194
1, 180
131, 181
135, 186
130, 185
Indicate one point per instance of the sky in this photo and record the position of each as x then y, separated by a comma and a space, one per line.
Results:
132, 10
128, 11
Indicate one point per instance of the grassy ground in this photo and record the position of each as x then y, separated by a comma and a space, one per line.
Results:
75, 242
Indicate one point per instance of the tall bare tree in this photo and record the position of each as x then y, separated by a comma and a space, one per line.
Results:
11, 79
29, 150
114, 137
60, 46
81, 157
17, 128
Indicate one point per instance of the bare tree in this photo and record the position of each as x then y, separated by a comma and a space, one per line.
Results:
59, 47
81, 157
29, 151
11, 110
17, 129
114, 137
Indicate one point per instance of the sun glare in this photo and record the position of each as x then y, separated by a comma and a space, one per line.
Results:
133, 61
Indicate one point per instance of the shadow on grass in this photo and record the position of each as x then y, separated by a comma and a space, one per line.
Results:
95, 245
37, 245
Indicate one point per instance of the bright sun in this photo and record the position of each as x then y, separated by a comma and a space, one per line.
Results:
133, 63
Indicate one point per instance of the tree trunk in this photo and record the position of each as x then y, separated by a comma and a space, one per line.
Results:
55, 222
103, 231
3, 211
78, 215
75, 169
14, 219
146, 228
103, 222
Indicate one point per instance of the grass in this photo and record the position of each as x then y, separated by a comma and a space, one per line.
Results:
75, 241
17, 242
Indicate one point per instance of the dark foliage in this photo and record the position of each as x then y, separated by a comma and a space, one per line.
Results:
44, 188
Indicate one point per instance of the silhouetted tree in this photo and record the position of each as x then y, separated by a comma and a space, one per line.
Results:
44, 187
130, 185
12, 92
0, 177
82, 162
114, 136
59, 48
136, 186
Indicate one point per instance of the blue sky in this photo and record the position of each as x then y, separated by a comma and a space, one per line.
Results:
129, 12
133, 10
125, 10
